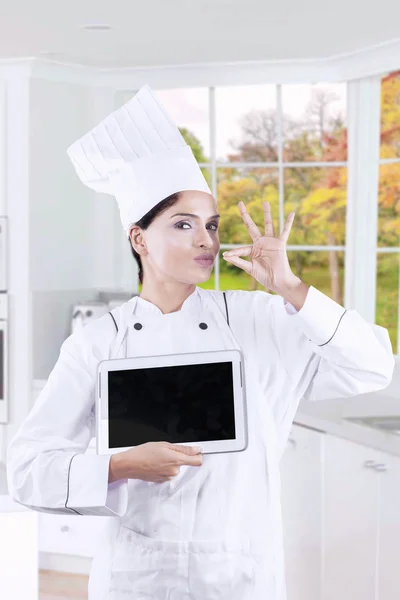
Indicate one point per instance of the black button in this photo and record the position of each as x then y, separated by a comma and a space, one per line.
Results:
138, 326
203, 326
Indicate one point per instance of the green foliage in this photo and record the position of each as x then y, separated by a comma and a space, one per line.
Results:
197, 150
195, 144
317, 195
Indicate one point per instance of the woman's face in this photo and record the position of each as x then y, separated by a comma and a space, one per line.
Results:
170, 245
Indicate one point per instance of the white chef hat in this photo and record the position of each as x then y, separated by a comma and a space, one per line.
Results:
138, 155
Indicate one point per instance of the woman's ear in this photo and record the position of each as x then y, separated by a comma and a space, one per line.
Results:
137, 239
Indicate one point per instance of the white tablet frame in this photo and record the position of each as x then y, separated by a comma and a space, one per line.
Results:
235, 356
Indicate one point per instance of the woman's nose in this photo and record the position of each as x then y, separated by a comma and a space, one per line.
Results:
205, 238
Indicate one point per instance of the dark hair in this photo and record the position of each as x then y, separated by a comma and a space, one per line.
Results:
147, 219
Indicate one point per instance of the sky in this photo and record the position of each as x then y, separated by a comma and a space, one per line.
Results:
190, 108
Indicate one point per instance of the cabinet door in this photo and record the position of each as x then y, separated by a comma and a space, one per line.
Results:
74, 535
301, 513
389, 531
350, 521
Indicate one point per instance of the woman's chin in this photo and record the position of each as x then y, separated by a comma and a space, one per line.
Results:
200, 275
205, 276
199, 279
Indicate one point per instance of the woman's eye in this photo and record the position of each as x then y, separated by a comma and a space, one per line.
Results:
180, 225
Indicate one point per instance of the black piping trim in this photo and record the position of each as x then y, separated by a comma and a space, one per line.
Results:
66, 502
226, 308
334, 331
115, 323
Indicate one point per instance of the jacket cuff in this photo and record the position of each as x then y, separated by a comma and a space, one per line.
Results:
290, 309
88, 491
319, 317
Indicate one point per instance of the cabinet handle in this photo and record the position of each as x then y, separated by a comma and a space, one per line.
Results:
369, 464
64, 528
380, 467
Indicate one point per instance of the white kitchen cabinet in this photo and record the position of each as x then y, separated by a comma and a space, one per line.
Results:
18, 551
388, 478
350, 523
361, 522
72, 535
301, 476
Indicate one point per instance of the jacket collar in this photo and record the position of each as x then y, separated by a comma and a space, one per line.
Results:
191, 304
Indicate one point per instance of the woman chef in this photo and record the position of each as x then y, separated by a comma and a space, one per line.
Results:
187, 526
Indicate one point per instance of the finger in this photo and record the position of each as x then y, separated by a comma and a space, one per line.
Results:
186, 449
248, 221
287, 227
268, 222
242, 251
239, 262
188, 459
193, 461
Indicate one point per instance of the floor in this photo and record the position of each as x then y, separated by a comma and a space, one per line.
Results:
54, 585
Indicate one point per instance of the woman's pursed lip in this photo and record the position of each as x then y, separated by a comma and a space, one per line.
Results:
204, 260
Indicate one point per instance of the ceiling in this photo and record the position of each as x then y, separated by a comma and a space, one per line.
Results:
169, 32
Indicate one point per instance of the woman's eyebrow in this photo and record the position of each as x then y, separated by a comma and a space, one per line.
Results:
195, 216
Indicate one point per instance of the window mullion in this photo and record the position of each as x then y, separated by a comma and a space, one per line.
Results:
213, 151
398, 318
279, 128
362, 195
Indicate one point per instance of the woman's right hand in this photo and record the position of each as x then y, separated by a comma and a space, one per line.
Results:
154, 461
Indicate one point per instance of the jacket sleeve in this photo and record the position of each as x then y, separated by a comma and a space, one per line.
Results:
47, 467
324, 351
350, 355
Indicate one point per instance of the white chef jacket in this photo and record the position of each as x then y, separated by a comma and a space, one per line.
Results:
319, 352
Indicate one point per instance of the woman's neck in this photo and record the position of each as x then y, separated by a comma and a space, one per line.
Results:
167, 298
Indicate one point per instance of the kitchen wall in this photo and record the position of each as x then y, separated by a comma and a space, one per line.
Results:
74, 252
66, 242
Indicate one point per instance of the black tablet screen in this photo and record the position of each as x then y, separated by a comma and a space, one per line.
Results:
185, 403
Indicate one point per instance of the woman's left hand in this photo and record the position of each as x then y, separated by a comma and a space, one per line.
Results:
269, 263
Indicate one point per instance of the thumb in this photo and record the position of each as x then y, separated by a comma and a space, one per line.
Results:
186, 449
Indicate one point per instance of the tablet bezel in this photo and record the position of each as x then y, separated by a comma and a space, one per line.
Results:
208, 447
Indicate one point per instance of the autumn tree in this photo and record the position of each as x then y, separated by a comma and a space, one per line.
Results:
389, 189
318, 196
198, 151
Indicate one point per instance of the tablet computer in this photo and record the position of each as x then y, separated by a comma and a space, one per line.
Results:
194, 399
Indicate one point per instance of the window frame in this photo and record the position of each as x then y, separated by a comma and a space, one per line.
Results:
363, 162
